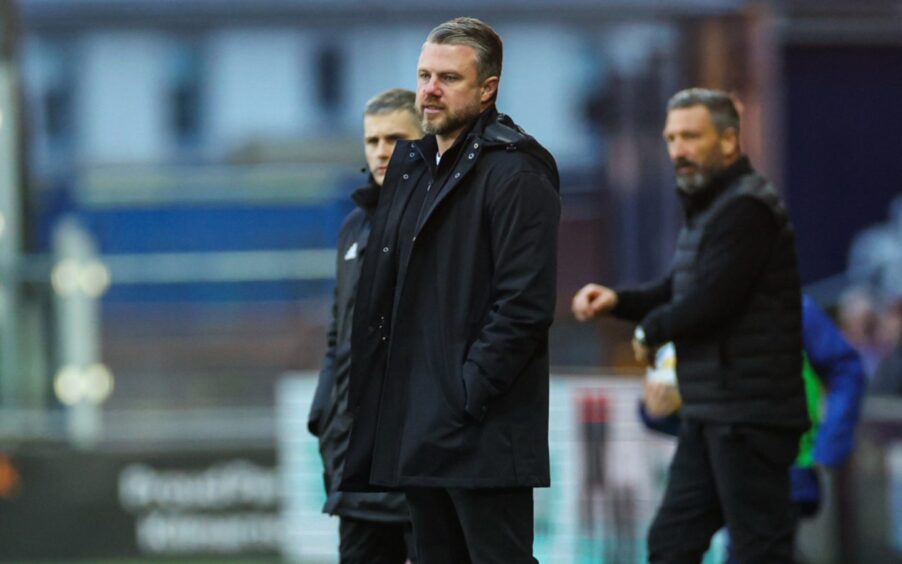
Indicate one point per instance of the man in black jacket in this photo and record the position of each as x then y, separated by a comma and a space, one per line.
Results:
374, 527
454, 308
732, 306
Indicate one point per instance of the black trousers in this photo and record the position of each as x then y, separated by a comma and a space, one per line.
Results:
461, 526
372, 542
730, 474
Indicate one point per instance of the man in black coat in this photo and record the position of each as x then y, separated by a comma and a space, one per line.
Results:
374, 527
732, 306
454, 307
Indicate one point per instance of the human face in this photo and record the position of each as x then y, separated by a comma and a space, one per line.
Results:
697, 149
380, 134
449, 92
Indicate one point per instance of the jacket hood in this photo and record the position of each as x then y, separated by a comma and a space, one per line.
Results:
498, 131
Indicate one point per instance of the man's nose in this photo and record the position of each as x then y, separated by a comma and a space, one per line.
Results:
431, 88
676, 149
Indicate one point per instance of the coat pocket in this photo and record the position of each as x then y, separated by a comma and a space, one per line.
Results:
453, 380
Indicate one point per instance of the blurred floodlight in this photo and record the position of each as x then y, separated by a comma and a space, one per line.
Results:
69, 385
2, 224
65, 277
70, 276
94, 279
98, 383
93, 384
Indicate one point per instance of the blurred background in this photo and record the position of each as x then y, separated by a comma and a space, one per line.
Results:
173, 174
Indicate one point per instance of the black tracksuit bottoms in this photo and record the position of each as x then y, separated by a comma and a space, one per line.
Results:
733, 474
472, 526
374, 542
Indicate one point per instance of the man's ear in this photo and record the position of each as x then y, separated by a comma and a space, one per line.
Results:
489, 89
729, 142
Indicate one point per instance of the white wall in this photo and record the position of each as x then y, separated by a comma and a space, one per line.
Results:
379, 59
259, 83
541, 87
120, 103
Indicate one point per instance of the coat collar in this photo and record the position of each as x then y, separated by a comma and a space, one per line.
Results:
366, 197
428, 145
699, 201
491, 130
490, 127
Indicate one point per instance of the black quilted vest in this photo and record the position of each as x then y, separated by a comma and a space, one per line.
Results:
748, 369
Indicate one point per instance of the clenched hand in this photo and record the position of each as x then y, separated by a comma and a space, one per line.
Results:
592, 301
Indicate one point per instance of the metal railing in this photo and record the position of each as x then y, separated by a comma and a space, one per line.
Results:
78, 276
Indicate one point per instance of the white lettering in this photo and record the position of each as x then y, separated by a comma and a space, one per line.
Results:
179, 533
223, 485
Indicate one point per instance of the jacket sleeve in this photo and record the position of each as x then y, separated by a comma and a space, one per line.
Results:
840, 368
524, 214
735, 247
667, 425
326, 382
635, 303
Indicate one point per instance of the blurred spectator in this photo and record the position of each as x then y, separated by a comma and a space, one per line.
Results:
891, 322
875, 256
870, 312
859, 319
888, 379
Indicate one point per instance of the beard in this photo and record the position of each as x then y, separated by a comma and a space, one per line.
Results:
698, 179
452, 121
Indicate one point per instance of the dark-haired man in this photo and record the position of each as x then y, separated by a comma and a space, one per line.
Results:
455, 307
732, 306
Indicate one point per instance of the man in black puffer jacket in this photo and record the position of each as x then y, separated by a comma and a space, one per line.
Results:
732, 306
374, 527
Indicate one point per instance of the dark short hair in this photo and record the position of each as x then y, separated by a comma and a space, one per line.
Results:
391, 101
721, 105
476, 34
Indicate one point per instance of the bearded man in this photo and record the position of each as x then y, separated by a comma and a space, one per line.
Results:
732, 306
449, 382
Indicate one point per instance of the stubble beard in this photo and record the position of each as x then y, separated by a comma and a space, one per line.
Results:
451, 122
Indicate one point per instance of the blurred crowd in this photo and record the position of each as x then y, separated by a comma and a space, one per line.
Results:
869, 310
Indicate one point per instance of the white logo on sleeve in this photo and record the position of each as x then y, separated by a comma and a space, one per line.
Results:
351, 253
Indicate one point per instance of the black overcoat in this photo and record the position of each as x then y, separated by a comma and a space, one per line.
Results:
449, 373
329, 418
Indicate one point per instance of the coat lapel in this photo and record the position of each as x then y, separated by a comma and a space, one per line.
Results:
402, 187
465, 163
